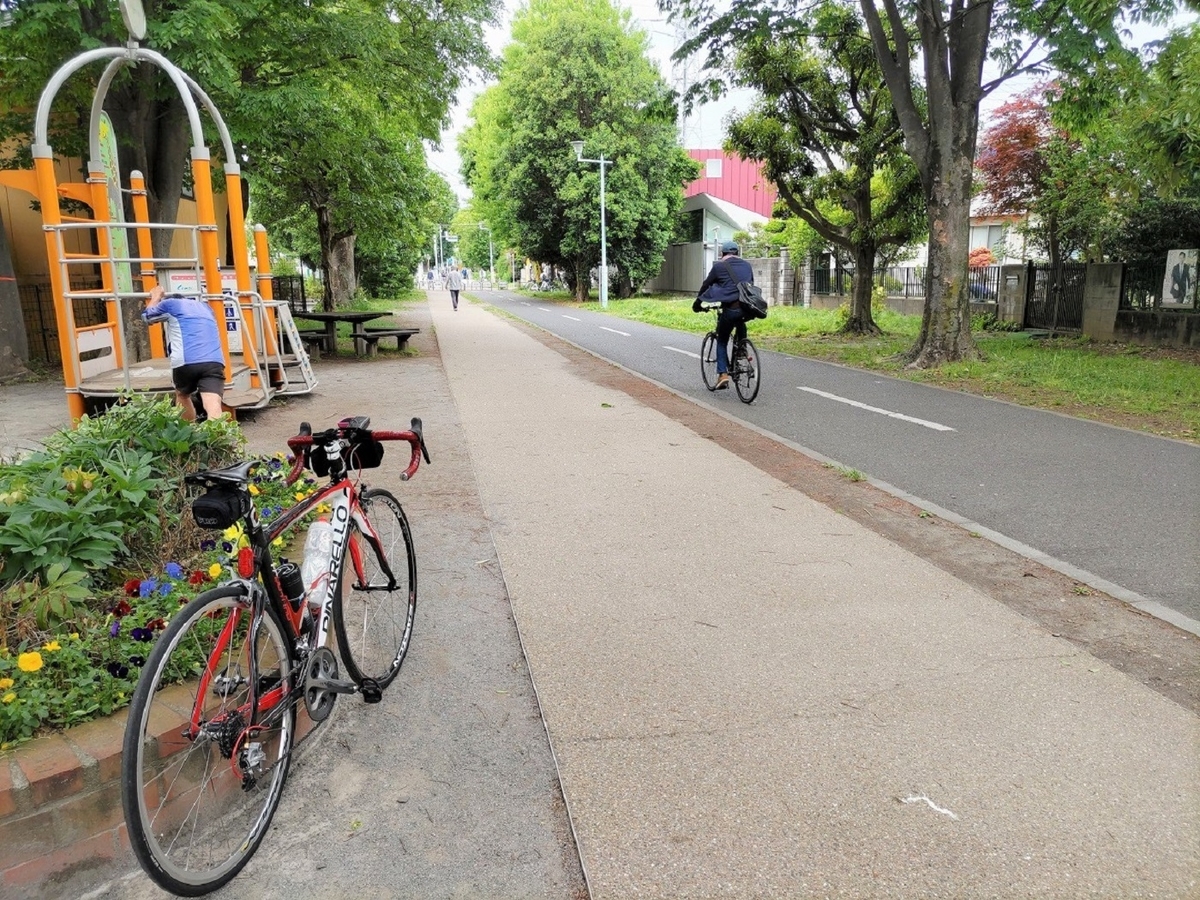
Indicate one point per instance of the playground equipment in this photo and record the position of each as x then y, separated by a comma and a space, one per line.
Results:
263, 351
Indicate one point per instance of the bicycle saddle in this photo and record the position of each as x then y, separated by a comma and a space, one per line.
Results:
238, 473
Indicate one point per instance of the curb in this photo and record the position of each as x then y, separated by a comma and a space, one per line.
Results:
60, 803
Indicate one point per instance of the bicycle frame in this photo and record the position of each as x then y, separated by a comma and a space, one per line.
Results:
261, 581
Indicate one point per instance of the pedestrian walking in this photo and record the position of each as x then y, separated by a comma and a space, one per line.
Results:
454, 284
194, 345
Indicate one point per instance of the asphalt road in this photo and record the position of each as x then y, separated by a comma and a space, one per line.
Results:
1114, 508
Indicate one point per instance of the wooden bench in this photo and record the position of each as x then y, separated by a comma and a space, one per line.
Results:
370, 337
314, 339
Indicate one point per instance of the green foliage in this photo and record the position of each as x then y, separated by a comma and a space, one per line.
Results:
81, 501
587, 69
1155, 226
69, 653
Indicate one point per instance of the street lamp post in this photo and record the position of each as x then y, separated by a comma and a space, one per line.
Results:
491, 254
602, 162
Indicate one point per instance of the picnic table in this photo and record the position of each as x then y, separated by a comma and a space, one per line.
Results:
365, 339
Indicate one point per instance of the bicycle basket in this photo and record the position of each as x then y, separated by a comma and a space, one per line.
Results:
361, 454
219, 507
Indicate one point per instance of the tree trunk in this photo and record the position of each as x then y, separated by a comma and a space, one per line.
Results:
861, 320
946, 324
583, 280
343, 280
14, 346
153, 138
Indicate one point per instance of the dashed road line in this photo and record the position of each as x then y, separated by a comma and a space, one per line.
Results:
925, 423
614, 331
684, 352
572, 318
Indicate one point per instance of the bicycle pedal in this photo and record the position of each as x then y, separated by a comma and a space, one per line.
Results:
370, 690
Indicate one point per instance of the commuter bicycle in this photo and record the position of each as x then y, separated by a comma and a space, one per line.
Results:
745, 366
212, 723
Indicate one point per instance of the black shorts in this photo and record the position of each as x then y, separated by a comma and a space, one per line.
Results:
206, 377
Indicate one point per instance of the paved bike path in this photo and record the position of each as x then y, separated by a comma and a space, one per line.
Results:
749, 694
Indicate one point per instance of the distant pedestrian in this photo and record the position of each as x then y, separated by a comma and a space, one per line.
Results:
194, 345
429, 278
454, 284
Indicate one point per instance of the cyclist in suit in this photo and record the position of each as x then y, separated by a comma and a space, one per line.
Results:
721, 287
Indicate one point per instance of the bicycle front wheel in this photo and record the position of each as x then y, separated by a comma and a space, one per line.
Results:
748, 371
708, 360
199, 782
373, 613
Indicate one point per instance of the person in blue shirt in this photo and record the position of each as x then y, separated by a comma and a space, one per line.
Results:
721, 287
194, 345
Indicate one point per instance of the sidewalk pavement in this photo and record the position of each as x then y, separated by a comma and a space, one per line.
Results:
749, 694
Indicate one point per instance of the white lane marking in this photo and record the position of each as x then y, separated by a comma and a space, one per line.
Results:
544, 308
684, 352
572, 318
936, 426
614, 331
932, 805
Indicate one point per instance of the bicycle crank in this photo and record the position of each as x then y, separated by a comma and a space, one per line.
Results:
321, 684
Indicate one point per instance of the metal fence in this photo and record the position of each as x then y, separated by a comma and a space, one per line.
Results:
901, 281
1142, 287
290, 289
41, 326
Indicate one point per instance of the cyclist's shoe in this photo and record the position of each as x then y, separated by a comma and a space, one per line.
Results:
722, 381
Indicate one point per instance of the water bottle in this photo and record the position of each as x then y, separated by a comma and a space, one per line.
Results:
318, 548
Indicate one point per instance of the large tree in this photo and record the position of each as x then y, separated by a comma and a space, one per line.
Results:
932, 54
578, 71
829, 139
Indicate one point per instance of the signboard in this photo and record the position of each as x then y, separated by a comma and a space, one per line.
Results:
188, 283
116, 213
1179, 284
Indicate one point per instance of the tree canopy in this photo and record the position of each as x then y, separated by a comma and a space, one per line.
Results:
932, 55
577, 71
330, 99
829, 139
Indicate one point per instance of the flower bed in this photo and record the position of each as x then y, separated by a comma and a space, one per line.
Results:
100, 551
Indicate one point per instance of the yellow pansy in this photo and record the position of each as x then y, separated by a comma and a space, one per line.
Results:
254, 492
214, 570
9, 697
5, 684
300, 495
74, 635
233, 532
29, 662
51, 646
277, 543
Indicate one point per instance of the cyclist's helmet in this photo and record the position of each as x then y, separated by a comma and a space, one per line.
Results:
730, 247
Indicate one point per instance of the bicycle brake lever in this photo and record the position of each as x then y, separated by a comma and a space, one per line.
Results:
415, 427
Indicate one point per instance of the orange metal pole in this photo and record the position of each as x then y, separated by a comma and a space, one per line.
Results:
145, 240
98, 185
47, 193
206, 218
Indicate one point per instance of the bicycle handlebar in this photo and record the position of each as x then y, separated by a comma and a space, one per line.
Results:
353, 432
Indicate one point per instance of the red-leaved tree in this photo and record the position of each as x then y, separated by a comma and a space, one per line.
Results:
1014, 165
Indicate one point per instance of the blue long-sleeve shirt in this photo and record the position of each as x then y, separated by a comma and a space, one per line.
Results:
192, 335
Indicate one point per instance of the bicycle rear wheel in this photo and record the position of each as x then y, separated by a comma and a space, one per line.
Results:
372, 614
198, 786
708, 360
747, 371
